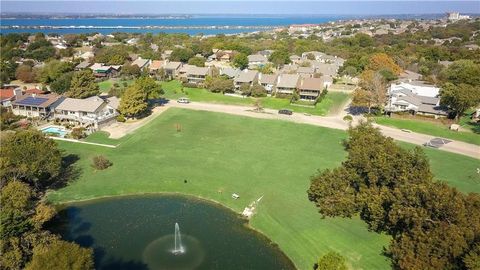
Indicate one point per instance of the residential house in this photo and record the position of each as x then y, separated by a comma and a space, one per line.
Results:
325, 69
166, 54
36, 105
142, 63
295, 59
306, 72
230, 72
172, 68
267, 81
318, 56
225, 55
247, 77
256, 60
266, 53
7, 95
310, 88
196, 74
34, 91
105, 71
417, 98
89, 112
287, 83
82, 65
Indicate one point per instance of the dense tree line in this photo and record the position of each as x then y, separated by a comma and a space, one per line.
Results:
30, 164
433, 226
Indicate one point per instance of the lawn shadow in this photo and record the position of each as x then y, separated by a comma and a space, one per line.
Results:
69, 172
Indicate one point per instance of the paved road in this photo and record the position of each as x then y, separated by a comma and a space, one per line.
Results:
335, 122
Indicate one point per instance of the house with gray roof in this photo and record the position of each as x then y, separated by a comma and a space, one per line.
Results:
256, 60
196, 74
88, 112
229, 72
287, 83
245, 77
416, 100
141, 63
267, 81
306, 72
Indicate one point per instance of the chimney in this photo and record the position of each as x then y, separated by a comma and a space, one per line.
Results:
17, 92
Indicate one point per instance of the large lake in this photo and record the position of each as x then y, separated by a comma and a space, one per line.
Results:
137, 233
202, 25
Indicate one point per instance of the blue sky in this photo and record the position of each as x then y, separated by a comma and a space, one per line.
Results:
342, 7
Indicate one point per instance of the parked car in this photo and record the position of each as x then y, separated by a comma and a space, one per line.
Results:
285, 111
183, 100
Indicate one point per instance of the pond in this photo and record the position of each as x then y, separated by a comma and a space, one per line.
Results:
138, 232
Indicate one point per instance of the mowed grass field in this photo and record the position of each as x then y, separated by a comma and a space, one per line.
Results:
220, 154
331, 102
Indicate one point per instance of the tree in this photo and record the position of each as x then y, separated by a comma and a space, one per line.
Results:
332, 261
112, 55
133, 102
62, 84
29, 156
7, 72
279, 57
16, 200
131, 70
245, 89
83, 85
240, 60
393, 191
61, 255
181, 54
258, 91
197, 61
381, 61
376, 89
149, 87
460, 97
53, 70
219, 85
462, 72
25, 73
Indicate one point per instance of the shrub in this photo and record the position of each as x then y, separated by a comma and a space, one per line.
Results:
78, 133
121, 118
101, 163
347, 118
125, 84
116, 85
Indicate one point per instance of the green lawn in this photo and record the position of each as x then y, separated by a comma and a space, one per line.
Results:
105, 86
221, 154
430, 129
331, 101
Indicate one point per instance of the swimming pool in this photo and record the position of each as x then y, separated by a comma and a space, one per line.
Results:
58, 131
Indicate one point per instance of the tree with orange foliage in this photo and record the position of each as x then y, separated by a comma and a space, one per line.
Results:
381, 61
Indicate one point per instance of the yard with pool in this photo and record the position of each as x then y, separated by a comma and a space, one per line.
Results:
214, 155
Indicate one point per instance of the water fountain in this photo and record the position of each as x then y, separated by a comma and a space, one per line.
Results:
178, 248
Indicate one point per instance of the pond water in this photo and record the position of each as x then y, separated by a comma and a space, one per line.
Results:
138, 232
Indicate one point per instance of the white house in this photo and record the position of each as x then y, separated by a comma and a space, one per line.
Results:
91, 111
417, 98
417, 88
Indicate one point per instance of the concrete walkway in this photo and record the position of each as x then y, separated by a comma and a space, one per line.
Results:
77, 141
